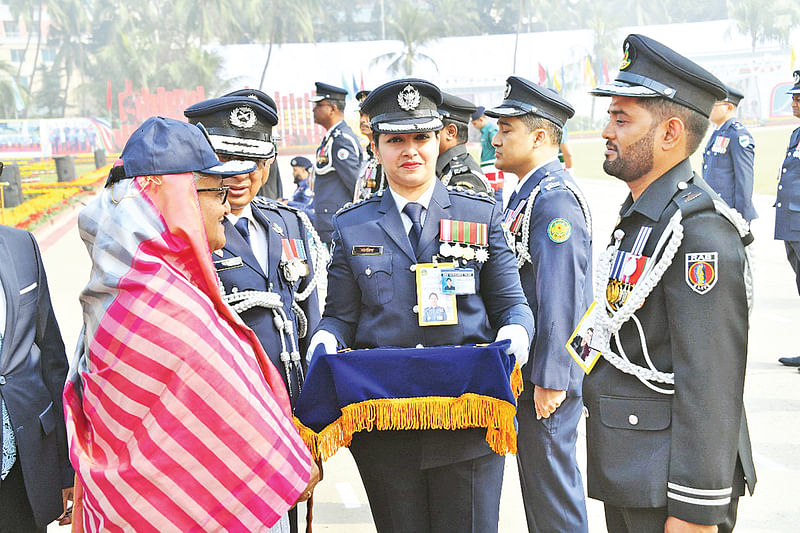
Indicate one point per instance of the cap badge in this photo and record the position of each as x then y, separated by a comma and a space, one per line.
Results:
508, 90
243, 117
408, 98
796, 77
626, 60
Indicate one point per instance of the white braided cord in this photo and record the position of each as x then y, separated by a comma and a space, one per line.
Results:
320, 258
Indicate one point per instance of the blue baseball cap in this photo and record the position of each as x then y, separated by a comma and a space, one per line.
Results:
163, 146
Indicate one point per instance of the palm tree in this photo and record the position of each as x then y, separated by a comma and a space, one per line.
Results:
69, 33
763, 21
414, 28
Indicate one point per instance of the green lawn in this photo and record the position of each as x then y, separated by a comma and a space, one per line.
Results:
771, 145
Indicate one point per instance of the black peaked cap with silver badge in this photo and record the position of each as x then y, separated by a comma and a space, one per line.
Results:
649, 69
404, 106
796, 88
456, 109
734, 96
238, 125
523, 96
328, 92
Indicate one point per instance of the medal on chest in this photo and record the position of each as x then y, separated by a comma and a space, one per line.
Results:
324, 152
720, 145
463, 240
627, 269
294, 262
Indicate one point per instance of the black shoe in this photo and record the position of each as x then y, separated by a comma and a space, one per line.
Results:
790, 361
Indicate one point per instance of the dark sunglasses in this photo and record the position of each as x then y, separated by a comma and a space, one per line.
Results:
222, 192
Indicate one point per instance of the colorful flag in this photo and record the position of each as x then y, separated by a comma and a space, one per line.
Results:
176, 419
606, 78
589, 71
792, 58
556, 81
542, 75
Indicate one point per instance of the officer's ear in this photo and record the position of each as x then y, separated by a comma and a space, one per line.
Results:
452, 131
671, 134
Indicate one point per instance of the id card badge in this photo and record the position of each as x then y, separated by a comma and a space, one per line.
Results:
458, 281
581, 345
435, 308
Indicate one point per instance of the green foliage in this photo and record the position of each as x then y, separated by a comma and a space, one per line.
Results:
764, 21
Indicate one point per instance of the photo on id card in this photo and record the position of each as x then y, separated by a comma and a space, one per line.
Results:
580, 345
436, 308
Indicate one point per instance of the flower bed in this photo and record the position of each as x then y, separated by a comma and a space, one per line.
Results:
48, 199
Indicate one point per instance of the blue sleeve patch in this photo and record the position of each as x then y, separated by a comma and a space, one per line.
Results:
559, 230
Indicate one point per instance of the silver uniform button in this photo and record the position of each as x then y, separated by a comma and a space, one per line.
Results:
415, 309
682, 185
368, 271
633, 420
779, 204
780, 187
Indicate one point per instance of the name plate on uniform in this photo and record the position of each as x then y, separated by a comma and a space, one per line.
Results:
434, 306
228, 263
367, 250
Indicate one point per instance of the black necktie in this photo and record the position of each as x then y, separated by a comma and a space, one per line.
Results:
243, 228
414, 212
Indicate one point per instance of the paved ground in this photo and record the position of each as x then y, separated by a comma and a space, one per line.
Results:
772, 395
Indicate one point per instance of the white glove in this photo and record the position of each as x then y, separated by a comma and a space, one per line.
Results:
325, 338
520, 344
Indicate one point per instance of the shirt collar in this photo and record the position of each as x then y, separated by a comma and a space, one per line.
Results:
449, 155
423, 200
247, 213
532, 172
658, 194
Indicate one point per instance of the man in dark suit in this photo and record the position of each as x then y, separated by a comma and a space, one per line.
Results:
554, 255
338, 158
728, 157
37, 478
434, 480
668, 446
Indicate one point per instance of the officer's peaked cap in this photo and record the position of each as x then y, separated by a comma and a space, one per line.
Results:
328, 92
456, 108
523, 96
734, 96
649, 69
404, 106
796, 88
238, 124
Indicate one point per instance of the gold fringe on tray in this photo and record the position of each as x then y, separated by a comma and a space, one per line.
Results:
431, 412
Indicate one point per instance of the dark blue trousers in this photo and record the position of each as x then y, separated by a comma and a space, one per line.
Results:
552, 487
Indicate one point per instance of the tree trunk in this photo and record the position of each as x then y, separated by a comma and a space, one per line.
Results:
66, 93
35, 59
269, 55
516, 39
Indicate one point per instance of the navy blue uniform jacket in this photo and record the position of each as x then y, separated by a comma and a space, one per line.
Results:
336, 171
372, 298
249, 276
787, 203
728, 166
558, 282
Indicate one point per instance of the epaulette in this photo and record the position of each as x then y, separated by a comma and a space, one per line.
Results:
457, 167
469, 193
349, 206
269, 203
692, 199
737, 125
553, 184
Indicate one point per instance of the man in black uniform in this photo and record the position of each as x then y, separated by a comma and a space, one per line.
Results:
668, 448
338, 159
728, 157
455, 166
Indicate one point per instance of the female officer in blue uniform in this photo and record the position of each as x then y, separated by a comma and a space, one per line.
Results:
433, 480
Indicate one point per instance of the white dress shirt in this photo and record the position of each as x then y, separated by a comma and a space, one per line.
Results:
424, 200
258, 235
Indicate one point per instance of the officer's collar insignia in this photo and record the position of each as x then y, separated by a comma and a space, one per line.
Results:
408, 98
796, 77
626, 60
507, 91
243, 117
701, 271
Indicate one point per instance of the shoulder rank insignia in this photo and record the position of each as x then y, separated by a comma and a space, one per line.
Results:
701, 271
559, 230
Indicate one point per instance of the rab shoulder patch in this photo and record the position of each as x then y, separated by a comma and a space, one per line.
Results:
701, 271
559, 230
